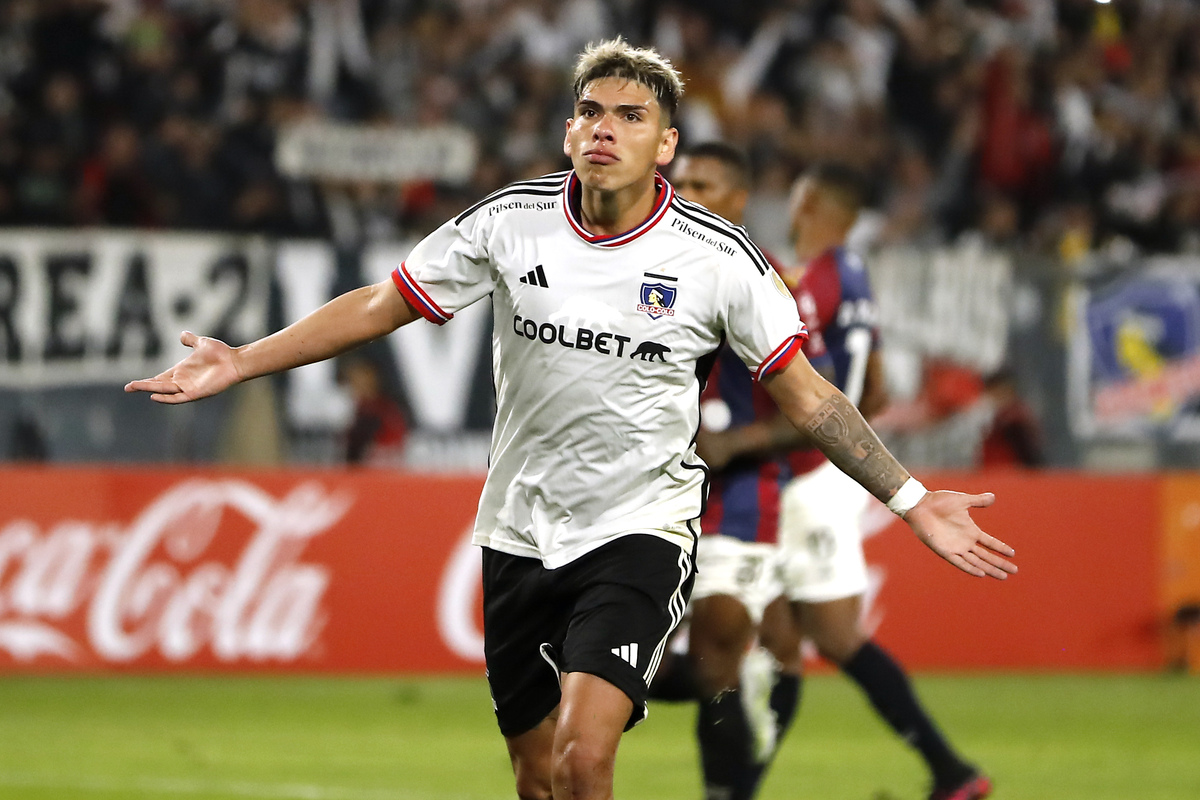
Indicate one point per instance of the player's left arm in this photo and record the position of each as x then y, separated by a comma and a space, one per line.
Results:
831, 423
770, 437
762, 438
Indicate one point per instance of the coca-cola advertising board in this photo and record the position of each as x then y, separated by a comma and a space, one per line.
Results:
371, 570
159, 569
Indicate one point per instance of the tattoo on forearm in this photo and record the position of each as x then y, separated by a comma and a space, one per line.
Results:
841, 433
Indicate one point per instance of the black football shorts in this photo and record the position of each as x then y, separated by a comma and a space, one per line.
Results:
608, 613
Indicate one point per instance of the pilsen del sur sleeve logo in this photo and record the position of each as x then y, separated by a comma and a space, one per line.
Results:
657, 297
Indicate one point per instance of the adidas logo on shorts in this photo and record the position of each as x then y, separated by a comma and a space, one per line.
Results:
627, 652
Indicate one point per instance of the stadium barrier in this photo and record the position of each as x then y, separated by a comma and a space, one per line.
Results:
111, 569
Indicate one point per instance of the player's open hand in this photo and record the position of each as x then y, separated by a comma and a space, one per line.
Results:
208, 370
942, 520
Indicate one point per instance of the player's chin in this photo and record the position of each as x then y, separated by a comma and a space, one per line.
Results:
599, 176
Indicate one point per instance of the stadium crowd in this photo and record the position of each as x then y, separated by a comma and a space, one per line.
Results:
1063, 126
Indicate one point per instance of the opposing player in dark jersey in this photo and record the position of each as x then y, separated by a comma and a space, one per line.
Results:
610, 297
823, 570
736, 556
820, 531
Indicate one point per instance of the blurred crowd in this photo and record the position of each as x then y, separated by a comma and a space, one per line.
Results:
1065, 126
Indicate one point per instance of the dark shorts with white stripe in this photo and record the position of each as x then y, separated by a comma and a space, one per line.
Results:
607, 613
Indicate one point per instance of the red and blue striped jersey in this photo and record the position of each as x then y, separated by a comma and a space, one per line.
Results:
743, 498
836, 303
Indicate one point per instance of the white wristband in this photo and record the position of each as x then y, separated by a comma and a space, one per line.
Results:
906, 497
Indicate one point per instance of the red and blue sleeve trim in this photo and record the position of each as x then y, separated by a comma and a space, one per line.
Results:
782, 356
417, 297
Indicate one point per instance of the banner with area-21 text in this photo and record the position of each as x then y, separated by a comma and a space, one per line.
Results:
94, 305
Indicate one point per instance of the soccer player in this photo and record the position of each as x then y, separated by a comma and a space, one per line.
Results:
736, 555
824, 571
610, 297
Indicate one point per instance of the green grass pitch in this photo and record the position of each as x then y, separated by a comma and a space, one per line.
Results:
1060, 737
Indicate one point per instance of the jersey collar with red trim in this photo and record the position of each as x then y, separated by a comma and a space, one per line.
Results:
572, 192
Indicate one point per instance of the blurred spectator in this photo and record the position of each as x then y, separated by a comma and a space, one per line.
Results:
61, 119
28, 441
986, 420
1014, 436
114, 188
911, 204
379, 429
263, 50
339, 58
43, 185
1062, 110
1017, 151
550, 33
193, 190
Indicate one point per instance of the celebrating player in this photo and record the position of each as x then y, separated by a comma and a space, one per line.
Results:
587, 517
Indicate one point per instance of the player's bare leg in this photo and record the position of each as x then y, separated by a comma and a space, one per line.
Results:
835, 627
570, 755
780, 634
592, 717
721, 630
531, 755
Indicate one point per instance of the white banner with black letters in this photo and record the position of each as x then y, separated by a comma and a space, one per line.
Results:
437, 365
106, 306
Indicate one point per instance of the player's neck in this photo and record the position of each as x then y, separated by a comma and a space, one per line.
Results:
817, 242
609, 212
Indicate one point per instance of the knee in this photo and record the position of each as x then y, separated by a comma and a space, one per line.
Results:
839, 646
532, 778
716, 666
533, 784
579, 766
716, 654
784, 645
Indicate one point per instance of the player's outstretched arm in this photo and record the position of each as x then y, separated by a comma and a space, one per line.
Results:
343, 323
770, 437
941, 520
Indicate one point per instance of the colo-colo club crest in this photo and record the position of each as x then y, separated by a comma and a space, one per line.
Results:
657, 298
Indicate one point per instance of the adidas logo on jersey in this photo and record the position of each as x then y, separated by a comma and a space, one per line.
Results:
536, 277
627, 653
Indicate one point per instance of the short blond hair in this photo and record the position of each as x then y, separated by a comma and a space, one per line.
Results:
616, 58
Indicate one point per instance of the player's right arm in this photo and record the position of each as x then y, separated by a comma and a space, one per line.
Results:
447, 270
347, 321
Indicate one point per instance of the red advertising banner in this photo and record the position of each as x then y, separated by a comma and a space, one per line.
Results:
343, 571
156, 569
1086, 595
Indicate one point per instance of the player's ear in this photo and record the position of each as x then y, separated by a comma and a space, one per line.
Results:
666, 147
567, 139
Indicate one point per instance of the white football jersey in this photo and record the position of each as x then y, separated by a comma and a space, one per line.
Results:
600, 349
